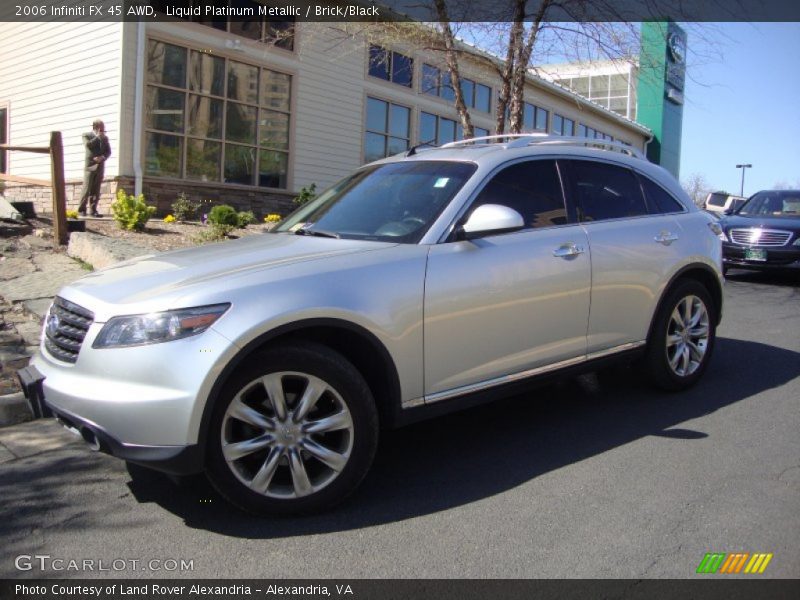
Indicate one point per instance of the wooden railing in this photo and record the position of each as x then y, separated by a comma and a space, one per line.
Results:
56, 152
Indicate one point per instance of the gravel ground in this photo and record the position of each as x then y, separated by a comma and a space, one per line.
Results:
162, 236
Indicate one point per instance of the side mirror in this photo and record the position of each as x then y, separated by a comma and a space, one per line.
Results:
490, 219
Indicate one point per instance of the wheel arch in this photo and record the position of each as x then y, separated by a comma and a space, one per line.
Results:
358, 345
701, 273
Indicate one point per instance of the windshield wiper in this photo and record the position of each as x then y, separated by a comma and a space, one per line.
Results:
317, 233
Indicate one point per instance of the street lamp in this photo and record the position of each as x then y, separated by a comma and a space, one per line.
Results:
743, 167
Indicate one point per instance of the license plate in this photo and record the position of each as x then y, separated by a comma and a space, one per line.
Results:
755, 254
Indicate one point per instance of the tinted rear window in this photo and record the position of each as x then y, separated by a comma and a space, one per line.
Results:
659, 200
604, 191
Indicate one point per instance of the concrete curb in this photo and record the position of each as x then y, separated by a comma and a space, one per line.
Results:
100, 251
9, 212
14, 409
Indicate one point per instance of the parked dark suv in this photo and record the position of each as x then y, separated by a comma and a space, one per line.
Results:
764, 233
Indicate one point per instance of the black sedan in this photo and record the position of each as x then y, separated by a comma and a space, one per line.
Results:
764, 233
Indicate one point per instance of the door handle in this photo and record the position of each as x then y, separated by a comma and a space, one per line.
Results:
568, 250
666, 238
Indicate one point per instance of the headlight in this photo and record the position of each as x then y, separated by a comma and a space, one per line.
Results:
718, 231
154, 328
797, 241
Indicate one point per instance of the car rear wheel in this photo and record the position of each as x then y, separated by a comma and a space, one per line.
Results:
295, 431
683, 336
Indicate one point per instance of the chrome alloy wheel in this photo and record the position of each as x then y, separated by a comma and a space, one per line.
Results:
687, 336
287, 435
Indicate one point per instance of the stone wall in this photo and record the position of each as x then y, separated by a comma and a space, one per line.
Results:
163, 193
159, 193
42, 196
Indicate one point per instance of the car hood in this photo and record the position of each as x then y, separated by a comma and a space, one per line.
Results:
765, 222
156, 282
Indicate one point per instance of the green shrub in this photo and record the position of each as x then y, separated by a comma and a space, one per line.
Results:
246, 217
184, 209
223, 214
307, 194
214, 233
131, 212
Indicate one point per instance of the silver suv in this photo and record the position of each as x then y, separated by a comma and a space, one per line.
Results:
418, 285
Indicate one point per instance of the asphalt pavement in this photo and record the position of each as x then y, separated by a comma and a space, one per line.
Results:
595, 477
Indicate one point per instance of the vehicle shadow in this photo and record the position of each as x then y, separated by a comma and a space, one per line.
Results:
779, 278
468, 456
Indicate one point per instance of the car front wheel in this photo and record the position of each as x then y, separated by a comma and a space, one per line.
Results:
295, 431
682, 339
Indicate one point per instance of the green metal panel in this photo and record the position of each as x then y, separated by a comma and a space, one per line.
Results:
660, 91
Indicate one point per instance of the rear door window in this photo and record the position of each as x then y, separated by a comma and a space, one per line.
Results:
602, 191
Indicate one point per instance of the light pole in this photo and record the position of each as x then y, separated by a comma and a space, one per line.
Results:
743, 167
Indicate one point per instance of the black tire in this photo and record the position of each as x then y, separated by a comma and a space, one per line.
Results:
297, 480
660, 357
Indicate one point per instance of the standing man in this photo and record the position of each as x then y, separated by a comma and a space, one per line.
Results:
97, 152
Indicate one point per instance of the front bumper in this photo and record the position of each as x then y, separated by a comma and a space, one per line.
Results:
177, 460
786, 257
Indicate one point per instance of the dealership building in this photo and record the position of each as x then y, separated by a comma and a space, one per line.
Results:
248, 113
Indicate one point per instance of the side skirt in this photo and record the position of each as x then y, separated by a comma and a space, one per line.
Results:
509, 386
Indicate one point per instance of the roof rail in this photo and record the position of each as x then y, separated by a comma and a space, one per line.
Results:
495, 138
520, 140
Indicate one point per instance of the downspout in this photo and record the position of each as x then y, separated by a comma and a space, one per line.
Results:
650, 138
137, 109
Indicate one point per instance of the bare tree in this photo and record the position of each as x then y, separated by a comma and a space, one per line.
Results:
523, 33
696, 187
508, 46
785, 185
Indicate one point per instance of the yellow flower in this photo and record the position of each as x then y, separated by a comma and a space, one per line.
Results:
272, 218
169, 219
72, 214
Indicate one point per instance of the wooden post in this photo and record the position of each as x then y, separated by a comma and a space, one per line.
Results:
59, 189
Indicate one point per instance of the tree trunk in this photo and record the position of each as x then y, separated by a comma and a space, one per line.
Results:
452, 65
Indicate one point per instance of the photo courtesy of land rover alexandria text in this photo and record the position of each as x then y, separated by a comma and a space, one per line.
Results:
419, 284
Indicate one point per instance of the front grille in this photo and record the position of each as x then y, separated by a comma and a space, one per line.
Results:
768, 238
65, 328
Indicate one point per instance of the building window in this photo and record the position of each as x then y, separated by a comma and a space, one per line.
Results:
390, 66
562, 125
276, 31
213, 119
435, 130
615, 92
590, 132
534, 118
387, 131
436, 82
3, 139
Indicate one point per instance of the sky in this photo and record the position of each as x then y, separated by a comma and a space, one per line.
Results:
743, 106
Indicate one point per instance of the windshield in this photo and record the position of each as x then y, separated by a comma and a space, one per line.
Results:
773, 204
394, 202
